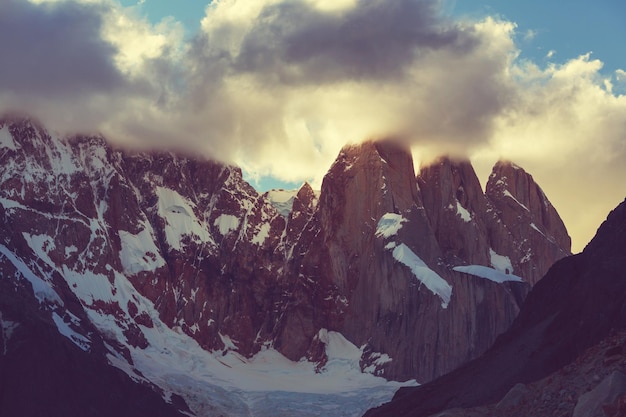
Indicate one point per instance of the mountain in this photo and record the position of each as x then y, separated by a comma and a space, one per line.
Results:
174, 270
579, 303
48, 368
386, 253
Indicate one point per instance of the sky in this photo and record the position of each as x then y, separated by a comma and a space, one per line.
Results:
279, 86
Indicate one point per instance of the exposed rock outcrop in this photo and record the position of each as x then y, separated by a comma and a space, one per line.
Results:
421, 273
456, 208
576, 305
525, 224
443, 221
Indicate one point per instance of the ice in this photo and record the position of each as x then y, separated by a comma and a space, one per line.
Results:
226, 382
487, 273
70, 250
389, 225
461, 211
534, 226
500, 262
226, 223
435, 283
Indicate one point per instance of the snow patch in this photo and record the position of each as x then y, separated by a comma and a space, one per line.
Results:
228, 342
389, 225
42, 289
6, 327
139, 252
487, 273
226, 223
390, 245
76, 338
6, 139
69, 250
338, 347
500, 262
11, 204
262, 235
282, 200
377, 360
462, 211
508, 194
433, 281
179, 218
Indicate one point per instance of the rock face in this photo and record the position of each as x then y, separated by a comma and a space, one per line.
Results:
216, 240
518, 202
513, 217
607, 392
456, 208
421, 273
575, 306
364, 279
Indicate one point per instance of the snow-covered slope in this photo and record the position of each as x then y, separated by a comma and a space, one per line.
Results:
282, 200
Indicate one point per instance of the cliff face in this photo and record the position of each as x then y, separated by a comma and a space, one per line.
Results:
421, 273
456, 208
575, 306
529, 228
389, 257
217, 240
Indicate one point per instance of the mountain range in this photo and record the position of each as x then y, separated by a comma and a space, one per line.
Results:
164, 284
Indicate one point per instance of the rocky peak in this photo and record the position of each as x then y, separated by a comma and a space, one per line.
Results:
306, 196
366, 182
512, 187
524, 222
456, 205
303, 207
377, 226
189, 240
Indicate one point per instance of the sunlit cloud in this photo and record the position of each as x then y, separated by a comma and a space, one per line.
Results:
279, 86
530, 34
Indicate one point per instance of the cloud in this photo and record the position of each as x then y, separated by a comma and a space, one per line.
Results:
569, 130
279, 86
303, 79
83, 65
55, 51
530, 35
378, 40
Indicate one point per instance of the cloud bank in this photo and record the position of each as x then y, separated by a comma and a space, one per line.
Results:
279, 86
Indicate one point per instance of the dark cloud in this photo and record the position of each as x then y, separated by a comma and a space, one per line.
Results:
294, 42
54, 50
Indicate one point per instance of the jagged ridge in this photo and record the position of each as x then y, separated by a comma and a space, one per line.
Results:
220, 264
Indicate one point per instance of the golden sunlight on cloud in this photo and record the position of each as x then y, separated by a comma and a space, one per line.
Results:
569, 131
279, 86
